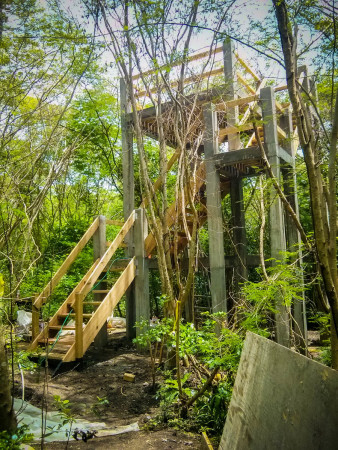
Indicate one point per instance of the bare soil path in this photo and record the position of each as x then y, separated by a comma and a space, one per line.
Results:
97, 392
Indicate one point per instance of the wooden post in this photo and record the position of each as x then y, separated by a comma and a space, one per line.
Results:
35, 318
236, 187
277, 230
142, 270
78, 325
215, 219
128, 195
292, 234
99, 249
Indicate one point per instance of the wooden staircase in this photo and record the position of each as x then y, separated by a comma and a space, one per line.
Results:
70, 317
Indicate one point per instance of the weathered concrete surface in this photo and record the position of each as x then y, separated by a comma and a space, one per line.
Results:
281, 400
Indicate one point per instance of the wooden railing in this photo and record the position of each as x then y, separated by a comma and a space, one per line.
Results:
84, 336
48, 290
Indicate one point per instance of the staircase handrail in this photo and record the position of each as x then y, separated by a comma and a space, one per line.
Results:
108, 255
48, 289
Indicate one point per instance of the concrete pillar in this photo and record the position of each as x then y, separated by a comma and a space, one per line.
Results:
292, 235
99, 249
236, 189
276, 223
215, 219
128, 195
141, 283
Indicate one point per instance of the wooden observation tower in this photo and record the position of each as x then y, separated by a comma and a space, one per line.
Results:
223, 116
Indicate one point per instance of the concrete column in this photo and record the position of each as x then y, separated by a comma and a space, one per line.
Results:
277, 230
142, 305
292, 235
99, 249
128, 195
236, 189
215, 219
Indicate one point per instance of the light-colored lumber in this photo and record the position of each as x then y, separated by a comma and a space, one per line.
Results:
243, 81
194, 78
108, 254
35, 319
158, 182
78, 325
105, 309
253, 104
118, 223
234, 130
175, 209
189, 59
246, 67
47, 291
64, 308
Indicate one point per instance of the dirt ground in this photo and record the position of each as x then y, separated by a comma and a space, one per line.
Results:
101, 375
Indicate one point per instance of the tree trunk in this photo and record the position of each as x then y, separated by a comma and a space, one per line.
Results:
7, 417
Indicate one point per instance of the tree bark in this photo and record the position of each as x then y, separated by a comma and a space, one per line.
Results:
324, 229
7, 417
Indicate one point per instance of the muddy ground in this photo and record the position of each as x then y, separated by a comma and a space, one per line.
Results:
101, 375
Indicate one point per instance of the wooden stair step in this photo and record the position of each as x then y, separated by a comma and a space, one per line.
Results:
62, 340
63, 316
101, 291
58, 327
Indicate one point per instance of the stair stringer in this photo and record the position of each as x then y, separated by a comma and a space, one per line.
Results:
105, 309
64, 307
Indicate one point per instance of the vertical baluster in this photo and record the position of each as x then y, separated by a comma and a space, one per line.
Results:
35, 318
78, 325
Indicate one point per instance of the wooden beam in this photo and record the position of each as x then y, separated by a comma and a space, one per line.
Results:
117, 223
105, 309
108, 255
189, 59
243, 81
158, 182
78, 325
247, 68
47, 291
194, 78
64, 308
175, 209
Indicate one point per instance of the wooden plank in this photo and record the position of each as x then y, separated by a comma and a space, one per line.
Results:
158, 182
35, 319
194, 78
252, 105
78, 325
234, 129
104, 310
47, 291
175, 209
108, 255
247, 68
189, 59
64, 308
243, 81
118, 223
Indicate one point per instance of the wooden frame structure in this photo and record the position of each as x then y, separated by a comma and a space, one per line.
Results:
224, 114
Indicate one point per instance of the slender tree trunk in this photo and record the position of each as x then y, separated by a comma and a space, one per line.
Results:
7, 417
324, 228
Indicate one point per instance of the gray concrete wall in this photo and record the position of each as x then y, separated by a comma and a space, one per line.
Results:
281, 400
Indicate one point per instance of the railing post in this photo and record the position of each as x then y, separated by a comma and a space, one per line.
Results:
35, 318
141, 284
99, 249
78, 325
